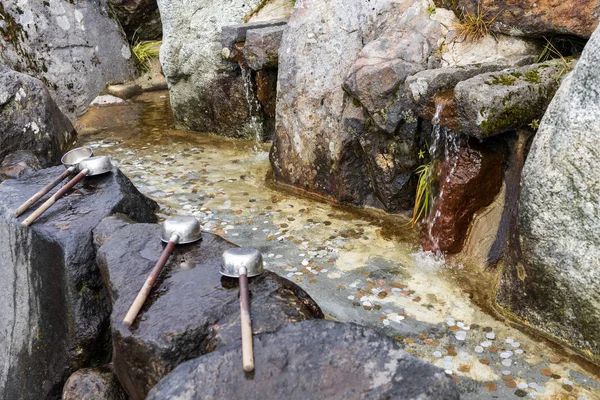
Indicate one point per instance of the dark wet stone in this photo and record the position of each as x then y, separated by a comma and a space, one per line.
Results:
93, 384
108, 226
31, 120
140, 19
311, 360
18, 163
192, 309
469, 180
53, 305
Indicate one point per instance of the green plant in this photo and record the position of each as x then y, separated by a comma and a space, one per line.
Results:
473, 27
144, 51
431, 8
551, 50
424, 195
535, 124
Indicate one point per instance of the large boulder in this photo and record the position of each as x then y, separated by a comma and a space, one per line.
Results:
192, 310
30, 120
53, 305
140, 19
208, 93
311, 360
75, 48
534, 18
556, 287
311, 149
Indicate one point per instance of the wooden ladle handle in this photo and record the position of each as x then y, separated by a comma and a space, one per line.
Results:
42, 192
246, 322
145, 290
29, 220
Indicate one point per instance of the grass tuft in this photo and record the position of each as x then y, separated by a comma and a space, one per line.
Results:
145, 51
424, 195
474, 27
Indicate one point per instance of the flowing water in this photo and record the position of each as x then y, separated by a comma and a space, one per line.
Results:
361, 266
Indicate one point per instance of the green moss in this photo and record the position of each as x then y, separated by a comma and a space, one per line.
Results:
511, 117
516, 74
504, 80
533, 76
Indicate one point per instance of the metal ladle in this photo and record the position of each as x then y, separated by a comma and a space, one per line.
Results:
88, 167
243, 263
70, 160
175, 230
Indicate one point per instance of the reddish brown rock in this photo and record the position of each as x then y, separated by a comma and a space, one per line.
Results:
535, 17
473, 184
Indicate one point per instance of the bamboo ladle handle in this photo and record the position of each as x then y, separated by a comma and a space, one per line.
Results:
29, 220
246, 323
42, 192
145, 290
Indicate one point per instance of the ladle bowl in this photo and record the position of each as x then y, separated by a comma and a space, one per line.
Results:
187, 229
237, 257
73, 157
70, 160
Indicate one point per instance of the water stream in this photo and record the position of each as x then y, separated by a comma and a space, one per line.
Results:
361, 266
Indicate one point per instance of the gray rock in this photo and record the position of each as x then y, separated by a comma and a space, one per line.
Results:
377, 77
498, 102
93, 384
140, 19
124, 91
232, 34
556, 288
74, 47
53, 305
191, 311
424, 85
107, 100
311, 150
311, 360
262, 47
17, 164
207, 92
30, 120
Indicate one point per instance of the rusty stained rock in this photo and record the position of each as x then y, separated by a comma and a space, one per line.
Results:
473, 184
534, 18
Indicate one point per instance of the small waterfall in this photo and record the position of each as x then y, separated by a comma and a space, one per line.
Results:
254, 108
445, 145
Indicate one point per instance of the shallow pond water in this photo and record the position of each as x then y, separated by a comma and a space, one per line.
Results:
360, 266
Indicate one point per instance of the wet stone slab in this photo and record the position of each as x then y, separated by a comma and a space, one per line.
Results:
191, 311
54, 313
311, 360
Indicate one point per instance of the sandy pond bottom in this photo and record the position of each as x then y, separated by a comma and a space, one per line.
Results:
360, 266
